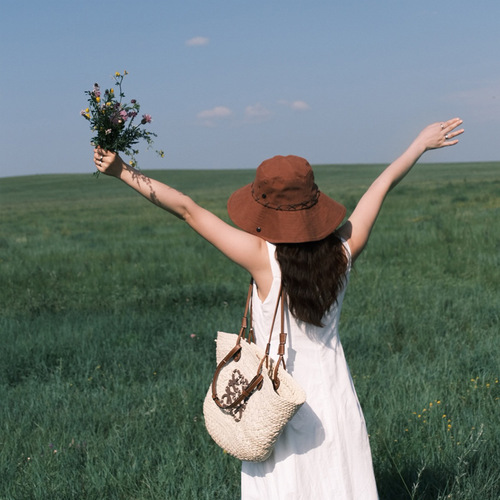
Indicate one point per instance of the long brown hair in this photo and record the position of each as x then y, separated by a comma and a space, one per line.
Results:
313, 275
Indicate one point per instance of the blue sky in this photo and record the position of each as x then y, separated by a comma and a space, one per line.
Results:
232, 82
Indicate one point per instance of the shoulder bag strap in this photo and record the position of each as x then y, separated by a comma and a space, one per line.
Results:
235, 354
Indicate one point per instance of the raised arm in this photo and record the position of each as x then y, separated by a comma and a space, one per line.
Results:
359, 225
245, 249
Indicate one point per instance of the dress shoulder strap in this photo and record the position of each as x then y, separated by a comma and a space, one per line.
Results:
275, 267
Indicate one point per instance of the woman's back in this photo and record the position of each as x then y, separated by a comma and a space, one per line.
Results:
324, 451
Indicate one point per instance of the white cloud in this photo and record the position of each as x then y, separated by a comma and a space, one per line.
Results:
208, 116
296, 105
197, 41
257, 112
217, 112
300, 106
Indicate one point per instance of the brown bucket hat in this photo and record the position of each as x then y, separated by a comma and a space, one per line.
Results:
284, 205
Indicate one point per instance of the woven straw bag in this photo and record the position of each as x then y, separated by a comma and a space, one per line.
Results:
251, 397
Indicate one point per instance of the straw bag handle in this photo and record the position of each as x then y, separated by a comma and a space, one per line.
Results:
235, 354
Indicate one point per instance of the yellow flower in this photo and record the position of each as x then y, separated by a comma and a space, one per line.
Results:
111, 90
117, 74
98, 99
108, 104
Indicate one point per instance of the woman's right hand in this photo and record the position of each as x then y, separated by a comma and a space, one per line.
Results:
358, 228
108, 162
439, 135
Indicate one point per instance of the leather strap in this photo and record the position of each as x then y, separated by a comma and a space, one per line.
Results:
235, 353
244, 322
282, 342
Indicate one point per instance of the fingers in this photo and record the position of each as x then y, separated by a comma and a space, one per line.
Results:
449, 125
453, 122
99, 157
440, 134
449, 132
107, 162
101, 151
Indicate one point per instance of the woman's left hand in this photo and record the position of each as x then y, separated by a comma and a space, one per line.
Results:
108, 162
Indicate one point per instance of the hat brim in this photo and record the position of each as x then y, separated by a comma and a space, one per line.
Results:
285, 226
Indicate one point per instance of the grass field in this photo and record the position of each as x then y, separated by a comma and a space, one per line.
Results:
109, 308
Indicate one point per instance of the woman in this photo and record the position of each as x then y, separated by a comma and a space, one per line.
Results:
288, 232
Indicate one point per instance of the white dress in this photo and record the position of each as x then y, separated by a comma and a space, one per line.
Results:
324, 452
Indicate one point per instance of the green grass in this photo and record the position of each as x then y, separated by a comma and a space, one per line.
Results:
102, 383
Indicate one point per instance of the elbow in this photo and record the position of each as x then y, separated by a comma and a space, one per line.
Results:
186, 209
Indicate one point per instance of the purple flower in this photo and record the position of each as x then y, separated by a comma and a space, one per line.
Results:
146, 119
119, 117
133, 101
97, 90
132, 114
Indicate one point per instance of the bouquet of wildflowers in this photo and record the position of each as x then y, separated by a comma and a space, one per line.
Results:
115, 122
